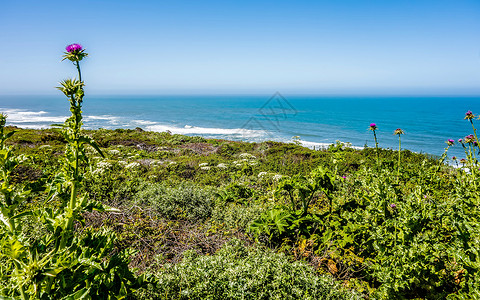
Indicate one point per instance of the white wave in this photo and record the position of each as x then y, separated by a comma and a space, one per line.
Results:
102, 117
143, 122
237, 132
30, 126
18, 117
113, 120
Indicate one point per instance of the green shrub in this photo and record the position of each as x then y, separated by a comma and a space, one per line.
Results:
238, 272
236, 216
185, 201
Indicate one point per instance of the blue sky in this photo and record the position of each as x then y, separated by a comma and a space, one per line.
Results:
184, 47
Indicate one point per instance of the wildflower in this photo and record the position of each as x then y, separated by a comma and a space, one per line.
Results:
203, 164
475, 143
114, 152
450, 142
344, 177
393, 205
74, 48
398, 131
454, 157
222, 166
247, 156
132, 165
460, 141
463, 161
75, 53
469, 138
261, 174
373, 126
277, 177
104, 165
206, 168
469, 115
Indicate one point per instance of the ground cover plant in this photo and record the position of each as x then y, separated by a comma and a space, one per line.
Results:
133, 214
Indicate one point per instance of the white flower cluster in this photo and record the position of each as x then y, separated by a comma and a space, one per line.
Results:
277, 177
247, 156
132, 165
114, 152
265, 175
101, 167
262, 174
240, 163
104, 165
205, 166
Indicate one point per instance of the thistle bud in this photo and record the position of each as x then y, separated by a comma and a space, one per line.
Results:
469, 115
398, 131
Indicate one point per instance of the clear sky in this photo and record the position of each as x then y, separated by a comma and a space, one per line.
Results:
184, 47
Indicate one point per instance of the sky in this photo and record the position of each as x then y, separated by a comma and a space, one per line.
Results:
182, 47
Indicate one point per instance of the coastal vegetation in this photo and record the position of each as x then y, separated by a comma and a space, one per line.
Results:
132, 214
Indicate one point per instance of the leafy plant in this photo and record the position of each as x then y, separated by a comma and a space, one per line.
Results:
238, 272
61, 263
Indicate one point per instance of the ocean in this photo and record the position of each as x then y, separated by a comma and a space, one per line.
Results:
317, 120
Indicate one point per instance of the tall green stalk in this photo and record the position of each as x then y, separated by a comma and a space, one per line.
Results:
399, 132
373, 127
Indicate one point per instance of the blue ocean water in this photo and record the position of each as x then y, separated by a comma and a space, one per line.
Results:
318, 120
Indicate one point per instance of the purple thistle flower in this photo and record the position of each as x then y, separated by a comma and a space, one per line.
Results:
454, 157
469, 138
450, 142
373, 126
393, 205
475, 143
460, 140
74, 48
344, 177
469, 115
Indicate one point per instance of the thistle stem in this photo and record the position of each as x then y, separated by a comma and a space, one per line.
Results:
398, 165
77, 64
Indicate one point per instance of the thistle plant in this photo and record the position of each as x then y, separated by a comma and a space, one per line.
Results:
61, 264
449, 143
470, 116
373, 127
75, 149
399, 132
472, 139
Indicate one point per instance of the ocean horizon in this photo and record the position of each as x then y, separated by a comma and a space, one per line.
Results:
318, 121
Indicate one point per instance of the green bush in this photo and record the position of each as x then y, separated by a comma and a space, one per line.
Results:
185, 201
236, 216
238, 272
